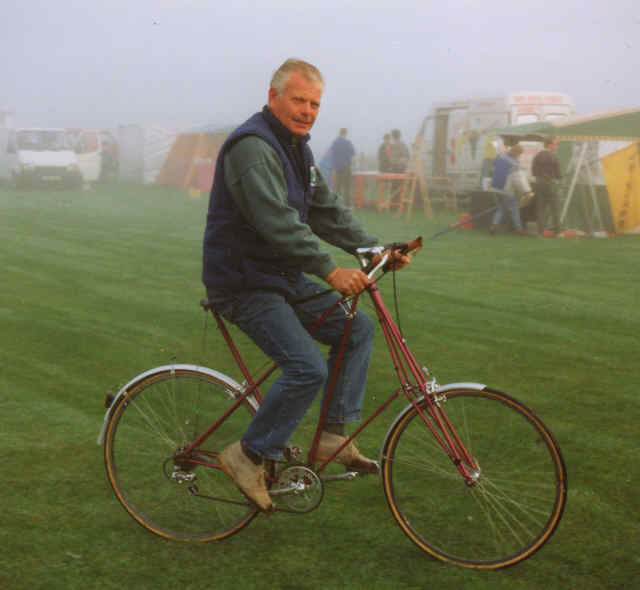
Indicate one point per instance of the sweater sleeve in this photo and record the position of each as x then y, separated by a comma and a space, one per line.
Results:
255, 177
332, 221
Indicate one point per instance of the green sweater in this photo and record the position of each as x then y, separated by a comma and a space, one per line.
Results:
254, 175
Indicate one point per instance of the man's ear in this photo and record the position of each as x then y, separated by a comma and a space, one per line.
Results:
273, 93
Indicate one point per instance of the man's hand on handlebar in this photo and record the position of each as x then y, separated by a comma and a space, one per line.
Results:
348, 281
398, 260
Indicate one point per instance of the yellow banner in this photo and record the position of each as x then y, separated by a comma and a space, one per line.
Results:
622, 174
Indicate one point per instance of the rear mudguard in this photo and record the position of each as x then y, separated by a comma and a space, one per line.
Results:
233, 386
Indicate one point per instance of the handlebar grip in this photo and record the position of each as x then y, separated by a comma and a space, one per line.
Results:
405, 248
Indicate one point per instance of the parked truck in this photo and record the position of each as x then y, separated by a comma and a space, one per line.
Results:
460, 145
38, 156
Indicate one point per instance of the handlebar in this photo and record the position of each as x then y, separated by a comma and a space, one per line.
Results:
371, 259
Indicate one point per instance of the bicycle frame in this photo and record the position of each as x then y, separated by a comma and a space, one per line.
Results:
405, 366
502, 514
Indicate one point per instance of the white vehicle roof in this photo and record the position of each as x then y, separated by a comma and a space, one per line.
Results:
520, 97
41, 129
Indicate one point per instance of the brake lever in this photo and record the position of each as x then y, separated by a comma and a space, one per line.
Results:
378, 266
366, 255
371, 264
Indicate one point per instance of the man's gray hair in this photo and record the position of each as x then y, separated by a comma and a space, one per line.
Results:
281, 75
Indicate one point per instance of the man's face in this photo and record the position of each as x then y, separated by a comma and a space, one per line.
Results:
298, 105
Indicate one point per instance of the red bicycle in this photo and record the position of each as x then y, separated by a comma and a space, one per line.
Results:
472, 476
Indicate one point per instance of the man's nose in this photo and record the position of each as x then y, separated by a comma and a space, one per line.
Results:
306, 108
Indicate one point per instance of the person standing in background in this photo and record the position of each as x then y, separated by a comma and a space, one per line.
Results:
399, 163
508, 202
546, 170
326, 168
399, 153
342, 152
384, 154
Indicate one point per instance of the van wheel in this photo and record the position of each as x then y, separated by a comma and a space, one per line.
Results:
16, 180
75, 182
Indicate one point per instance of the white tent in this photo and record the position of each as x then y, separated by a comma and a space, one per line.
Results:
143, 150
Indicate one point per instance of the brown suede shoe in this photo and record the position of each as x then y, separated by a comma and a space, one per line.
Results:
350, 457
249, 477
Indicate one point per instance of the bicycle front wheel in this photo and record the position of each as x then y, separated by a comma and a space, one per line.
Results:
176, 495
517, 498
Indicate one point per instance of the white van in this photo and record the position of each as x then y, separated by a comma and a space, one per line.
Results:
37, 156
459, 147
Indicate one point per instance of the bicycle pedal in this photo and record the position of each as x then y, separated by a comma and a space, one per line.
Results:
340, 476
362, 473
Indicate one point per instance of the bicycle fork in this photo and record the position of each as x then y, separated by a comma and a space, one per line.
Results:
435, 418
443, 431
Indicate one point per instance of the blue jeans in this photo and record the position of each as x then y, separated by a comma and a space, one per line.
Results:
280, 330
510, 204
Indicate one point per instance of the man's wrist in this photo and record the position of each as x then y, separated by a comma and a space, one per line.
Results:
332, 274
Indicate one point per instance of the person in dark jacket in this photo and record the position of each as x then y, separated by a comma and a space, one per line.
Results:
384, 154
268, 209
399, 153
546, 170
342, 152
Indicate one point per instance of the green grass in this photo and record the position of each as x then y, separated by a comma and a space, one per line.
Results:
98, 286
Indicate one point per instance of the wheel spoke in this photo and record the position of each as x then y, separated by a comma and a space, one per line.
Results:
508, 512
146, 436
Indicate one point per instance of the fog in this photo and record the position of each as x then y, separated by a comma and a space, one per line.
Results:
192, 62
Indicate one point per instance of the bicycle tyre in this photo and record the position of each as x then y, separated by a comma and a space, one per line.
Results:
517, 501
157, 417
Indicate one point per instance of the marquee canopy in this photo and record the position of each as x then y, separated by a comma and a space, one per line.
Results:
621, 125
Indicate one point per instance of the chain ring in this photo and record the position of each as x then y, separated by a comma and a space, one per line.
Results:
297, 489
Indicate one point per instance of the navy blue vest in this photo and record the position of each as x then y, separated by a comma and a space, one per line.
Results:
235, 256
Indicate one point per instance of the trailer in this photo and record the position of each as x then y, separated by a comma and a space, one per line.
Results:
460, 144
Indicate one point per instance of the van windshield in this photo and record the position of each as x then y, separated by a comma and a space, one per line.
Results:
41, 140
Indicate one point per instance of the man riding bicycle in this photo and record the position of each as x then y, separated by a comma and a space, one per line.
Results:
268, 210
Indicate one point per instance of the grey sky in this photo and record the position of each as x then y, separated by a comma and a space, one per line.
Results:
104, 63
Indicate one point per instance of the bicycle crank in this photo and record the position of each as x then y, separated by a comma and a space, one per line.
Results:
297, 489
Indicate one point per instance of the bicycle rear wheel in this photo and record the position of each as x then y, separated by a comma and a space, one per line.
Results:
508, 513
157, 484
